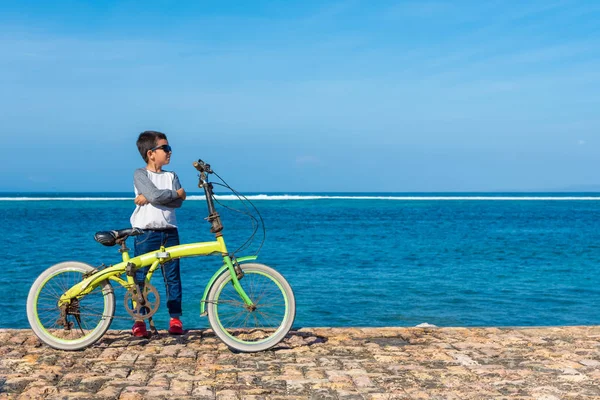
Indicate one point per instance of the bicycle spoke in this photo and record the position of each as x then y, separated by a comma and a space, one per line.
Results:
85, 316
251, 324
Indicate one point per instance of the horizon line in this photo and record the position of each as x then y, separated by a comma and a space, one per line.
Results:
319, 192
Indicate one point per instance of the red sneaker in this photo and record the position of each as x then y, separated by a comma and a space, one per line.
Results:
139, 329
175, 327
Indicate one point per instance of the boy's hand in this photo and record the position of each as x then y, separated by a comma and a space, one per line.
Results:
181, 193
141, 200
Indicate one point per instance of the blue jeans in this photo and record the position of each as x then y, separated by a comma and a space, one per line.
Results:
149, 241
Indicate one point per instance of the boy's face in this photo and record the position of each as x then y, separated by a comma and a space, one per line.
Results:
160, 156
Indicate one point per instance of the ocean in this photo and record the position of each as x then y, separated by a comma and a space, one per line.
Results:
353, 259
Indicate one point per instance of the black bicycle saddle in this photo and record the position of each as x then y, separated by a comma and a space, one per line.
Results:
110, 238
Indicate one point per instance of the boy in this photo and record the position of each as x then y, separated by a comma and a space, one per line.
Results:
158, 194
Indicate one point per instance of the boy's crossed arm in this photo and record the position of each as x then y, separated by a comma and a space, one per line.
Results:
149, 193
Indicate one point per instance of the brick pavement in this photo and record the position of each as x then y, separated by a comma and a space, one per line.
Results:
319, 363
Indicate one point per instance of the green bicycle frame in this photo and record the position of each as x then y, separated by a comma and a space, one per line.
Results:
154, 259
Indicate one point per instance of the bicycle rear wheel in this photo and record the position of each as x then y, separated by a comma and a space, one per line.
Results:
86, 319
252, 330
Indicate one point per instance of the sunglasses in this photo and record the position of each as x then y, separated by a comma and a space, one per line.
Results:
165, 147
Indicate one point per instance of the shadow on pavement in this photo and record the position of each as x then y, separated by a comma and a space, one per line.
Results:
116, 339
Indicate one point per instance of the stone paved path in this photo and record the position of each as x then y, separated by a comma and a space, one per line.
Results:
373, 363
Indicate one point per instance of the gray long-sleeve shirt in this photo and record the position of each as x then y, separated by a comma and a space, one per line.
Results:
160, 189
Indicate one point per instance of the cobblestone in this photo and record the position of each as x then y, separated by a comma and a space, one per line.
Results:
316, 363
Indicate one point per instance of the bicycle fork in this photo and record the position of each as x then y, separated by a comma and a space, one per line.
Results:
231, 265
236, 274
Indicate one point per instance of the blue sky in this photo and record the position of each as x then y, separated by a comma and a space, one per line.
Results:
304, 96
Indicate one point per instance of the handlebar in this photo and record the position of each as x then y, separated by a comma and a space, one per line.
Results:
202, 166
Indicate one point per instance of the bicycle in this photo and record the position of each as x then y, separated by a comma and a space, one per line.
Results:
250, 306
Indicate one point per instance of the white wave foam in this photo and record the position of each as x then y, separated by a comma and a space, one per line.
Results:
64, 198
404, 198
316, 197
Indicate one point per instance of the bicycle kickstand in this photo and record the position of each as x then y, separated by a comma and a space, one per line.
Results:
153, 327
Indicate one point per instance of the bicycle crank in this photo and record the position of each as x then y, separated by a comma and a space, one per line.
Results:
141, 304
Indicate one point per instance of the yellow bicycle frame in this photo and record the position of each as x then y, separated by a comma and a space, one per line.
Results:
154, 259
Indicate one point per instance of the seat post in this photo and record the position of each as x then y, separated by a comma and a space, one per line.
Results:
124, 250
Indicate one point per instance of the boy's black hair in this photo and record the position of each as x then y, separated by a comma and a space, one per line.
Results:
147, 141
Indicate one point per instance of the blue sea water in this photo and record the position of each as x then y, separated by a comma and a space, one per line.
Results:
353, 259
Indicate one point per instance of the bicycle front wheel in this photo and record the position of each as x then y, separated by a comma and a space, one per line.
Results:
252, 329
85, 320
